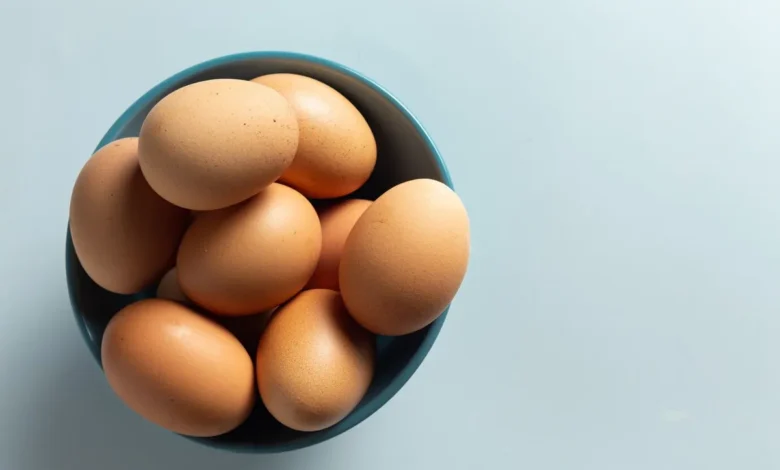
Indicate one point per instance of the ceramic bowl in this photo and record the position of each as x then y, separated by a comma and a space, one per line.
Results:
405, 151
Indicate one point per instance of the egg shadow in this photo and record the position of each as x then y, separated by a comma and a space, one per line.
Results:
78, 423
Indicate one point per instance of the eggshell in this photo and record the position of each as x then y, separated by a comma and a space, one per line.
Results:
178, 369
247, 328
336, 149
215, 143
314, 363
168, 288
336, 221
124, 234
253, 256
405, 258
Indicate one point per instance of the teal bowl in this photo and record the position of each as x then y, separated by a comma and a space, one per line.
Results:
405, 152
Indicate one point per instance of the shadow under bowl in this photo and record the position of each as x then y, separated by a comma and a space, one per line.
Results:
405, 152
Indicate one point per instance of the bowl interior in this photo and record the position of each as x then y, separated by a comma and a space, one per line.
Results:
404, 152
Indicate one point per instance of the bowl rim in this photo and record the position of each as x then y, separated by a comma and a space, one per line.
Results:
358, 415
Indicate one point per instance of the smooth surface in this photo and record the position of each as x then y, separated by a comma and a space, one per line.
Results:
124, 234
619, 161
178, 369
406, 257
407, 153
314, 363
252, 256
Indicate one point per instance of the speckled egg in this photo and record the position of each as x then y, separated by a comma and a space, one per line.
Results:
337, 150
215, 143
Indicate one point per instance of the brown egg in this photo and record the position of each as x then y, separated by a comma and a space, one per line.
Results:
336, 150
168, 288
215, 143
336, 221
314, 363
405, 258
178, 369
253, 256
246, 328
124, 234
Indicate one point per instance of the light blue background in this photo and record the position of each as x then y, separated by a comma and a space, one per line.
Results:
620, 163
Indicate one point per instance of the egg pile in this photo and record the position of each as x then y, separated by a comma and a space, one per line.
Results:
259, 295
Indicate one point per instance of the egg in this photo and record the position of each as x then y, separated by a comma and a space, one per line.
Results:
253, 256
168, 288
215, 143
178, 369
314, 363
246, 328
336, 221
124, 234
405, 258
336, 149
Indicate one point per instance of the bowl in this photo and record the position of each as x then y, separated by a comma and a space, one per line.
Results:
405, 151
